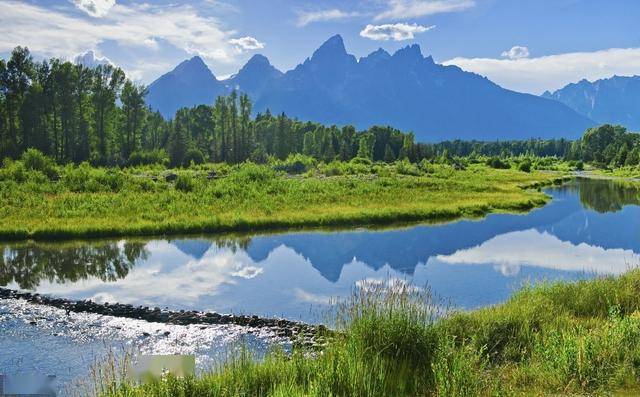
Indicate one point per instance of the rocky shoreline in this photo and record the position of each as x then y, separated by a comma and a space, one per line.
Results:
298, 332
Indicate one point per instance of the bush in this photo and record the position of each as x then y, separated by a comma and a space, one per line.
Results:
259, 156
361, 161
252, 173
525, 166
404, 167
185, 183
296, 164
148, 157
84, 178
35, 160
194, 156
496, 162
334, 168
13, 171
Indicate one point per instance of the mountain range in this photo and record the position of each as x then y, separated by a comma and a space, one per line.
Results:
615, 100
405, 90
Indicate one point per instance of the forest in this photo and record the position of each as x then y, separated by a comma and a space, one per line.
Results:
75, 114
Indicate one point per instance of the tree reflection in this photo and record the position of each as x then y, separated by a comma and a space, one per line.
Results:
608, 195
29, 264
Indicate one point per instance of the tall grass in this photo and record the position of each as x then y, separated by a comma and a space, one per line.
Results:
581, 338
39, 200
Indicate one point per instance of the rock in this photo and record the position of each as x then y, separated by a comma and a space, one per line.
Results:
212, 175
171, 177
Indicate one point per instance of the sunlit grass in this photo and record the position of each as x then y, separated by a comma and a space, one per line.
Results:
580, 338
97, 202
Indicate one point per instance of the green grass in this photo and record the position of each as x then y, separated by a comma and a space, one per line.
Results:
580, 338
81, 201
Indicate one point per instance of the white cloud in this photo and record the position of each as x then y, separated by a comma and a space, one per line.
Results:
552, 72
95, 8
91, 60
57, 33
543, 250
516, 52
395, 32
307, 17
405, 9
246, 43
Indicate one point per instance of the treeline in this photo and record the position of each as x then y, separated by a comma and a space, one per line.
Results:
74, 114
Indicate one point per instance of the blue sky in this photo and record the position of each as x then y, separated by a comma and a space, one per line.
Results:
524, 45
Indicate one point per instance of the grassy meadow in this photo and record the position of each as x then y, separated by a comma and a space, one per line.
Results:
579, 338
41, 200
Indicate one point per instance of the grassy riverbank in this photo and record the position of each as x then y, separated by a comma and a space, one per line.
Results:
41, 201
556, 339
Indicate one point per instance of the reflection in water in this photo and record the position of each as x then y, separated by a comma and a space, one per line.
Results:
29, 264
608, 195
589, 228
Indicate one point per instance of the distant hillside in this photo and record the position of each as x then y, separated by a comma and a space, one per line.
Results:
405, 90
614, 101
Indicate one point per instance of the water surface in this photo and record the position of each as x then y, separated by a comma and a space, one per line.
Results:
590, 228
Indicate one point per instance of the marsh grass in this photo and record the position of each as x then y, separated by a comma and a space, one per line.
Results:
82, 201
580, 338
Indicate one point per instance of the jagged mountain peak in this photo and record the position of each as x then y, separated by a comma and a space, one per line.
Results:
191, 66
405, 90
334, 45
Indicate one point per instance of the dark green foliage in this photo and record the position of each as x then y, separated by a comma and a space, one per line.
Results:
497, 163
296, 164
75, 114
148, 157
525, 165
194, 156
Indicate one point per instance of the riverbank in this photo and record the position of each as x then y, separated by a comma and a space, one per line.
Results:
552, 339
81, 202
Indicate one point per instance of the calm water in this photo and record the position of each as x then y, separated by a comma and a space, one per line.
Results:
590, 228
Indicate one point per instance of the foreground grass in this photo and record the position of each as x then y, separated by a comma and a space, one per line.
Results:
89, 202
581, 338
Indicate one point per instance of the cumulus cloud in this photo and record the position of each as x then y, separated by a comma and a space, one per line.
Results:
53, 32
535, 249
395, 32
405, 9
516, 52
535, 75
307, 17
246, 43
95, 8
90, 59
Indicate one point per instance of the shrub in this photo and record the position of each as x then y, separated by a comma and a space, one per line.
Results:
334, 168
194, 156
361, 161
496, 162
252, 173
296, 164
185, 183
13, 171
148, 157
35, 160
259, 156
525, 166
404, 167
